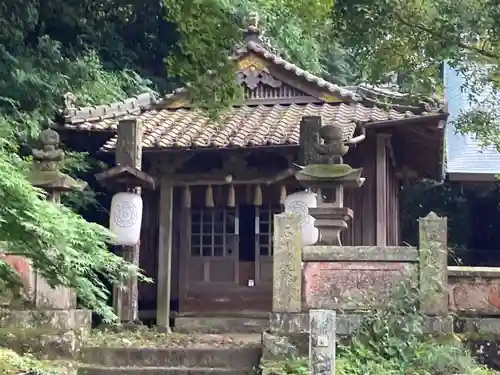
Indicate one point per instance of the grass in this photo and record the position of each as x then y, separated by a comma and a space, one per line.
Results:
436, 356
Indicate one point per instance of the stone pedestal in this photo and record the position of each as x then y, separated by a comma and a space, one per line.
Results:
331, 221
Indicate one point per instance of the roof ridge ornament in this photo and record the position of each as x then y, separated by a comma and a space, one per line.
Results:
253, 31
69, 102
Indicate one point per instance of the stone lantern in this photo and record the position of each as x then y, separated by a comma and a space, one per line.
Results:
323, 168
45, 174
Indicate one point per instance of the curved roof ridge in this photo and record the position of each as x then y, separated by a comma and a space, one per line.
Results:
134, 105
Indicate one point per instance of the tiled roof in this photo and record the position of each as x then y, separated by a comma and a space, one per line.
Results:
366, 94
90, 117
276, 59
242, 126
246, 125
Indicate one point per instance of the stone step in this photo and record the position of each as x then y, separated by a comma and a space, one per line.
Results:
221, 324
241, 358
103, 370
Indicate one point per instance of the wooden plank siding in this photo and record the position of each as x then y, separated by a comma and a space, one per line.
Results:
392, 194
148, 258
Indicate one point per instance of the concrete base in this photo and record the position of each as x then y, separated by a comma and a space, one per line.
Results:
297, 323
288, 335
487, 326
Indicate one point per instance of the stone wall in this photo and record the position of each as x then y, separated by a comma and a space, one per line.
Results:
49, 334
474, 291
349, 280
354, 278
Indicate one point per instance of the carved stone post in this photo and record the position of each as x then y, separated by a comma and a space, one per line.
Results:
433, 250
287, 258
322, 332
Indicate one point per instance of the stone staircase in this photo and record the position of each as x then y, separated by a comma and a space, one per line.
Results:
224, 324
169, 361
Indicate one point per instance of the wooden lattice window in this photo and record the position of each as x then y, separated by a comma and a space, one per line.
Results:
210, 228
264, 219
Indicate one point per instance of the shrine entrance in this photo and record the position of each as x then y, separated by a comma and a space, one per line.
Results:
229, 264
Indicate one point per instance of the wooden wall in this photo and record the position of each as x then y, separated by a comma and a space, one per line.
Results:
361, 230
149, 247
393, 212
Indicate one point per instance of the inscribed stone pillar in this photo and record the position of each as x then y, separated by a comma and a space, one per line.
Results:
287, 258
433, 251
322, 332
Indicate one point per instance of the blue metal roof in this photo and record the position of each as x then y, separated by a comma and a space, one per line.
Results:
464, 155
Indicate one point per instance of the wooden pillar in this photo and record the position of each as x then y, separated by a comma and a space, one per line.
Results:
128, 153
381, 190
164, 255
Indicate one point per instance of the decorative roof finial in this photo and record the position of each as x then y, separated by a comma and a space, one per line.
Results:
69, 102
253, 31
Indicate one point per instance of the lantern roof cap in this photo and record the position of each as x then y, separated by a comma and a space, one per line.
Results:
126, 176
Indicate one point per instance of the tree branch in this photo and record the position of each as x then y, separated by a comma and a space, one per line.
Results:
460, 44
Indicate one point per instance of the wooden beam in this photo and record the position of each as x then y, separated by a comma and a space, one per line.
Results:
164, 256
381, 190
128, 153
427, 119
390, 151
221, 178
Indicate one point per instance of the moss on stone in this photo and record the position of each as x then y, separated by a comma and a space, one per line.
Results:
327, 170
12, 363
145, 337
42, 342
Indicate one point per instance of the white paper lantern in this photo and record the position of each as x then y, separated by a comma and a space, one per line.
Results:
125, 218
300, 203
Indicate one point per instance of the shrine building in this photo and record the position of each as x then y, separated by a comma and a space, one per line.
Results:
221, 183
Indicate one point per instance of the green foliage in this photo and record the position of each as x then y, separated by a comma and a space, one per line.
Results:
414, 37
36, 70
66, 249
448, 200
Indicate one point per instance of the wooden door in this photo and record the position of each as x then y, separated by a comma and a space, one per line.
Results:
264, 243
264, 216
212, 262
